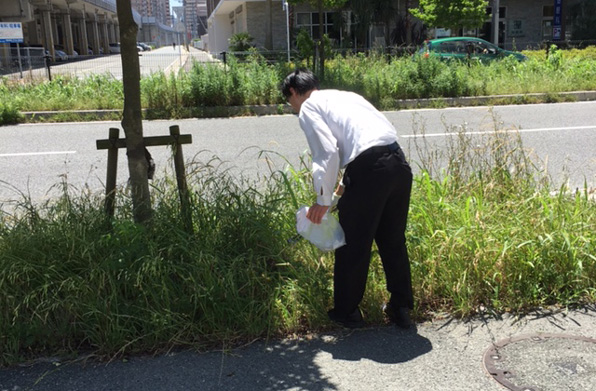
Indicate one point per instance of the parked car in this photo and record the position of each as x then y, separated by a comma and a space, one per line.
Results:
91, 52
466, 48
144, 46
114, 47
59, 55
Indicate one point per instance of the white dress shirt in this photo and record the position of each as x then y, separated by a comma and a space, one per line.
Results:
339, 125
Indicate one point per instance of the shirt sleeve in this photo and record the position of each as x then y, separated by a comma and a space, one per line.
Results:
325, 155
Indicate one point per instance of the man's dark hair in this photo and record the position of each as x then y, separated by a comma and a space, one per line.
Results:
302, 80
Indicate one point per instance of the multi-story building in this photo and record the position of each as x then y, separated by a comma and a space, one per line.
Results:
81, 26
191, 16
157, 9
202, 17
157, 27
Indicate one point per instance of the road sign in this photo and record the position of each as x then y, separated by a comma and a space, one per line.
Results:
11, 32
557, 20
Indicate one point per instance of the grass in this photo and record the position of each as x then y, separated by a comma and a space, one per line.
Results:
382, 80
485, 230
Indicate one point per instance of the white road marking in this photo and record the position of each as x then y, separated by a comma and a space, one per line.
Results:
500, 131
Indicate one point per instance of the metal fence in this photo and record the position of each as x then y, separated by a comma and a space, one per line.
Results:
162, 60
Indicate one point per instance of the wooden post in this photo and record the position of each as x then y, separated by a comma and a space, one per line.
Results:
112, 172
181, 178
175, 139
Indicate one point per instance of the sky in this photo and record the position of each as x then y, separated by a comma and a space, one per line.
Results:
175, 3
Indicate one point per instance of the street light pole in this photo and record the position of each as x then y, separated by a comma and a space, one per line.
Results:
495, 21
286, 7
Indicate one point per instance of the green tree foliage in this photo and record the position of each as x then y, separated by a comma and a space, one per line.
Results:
305, 46
451, 13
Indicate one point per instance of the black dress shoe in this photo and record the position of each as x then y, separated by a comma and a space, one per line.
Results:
351, 321
400, 315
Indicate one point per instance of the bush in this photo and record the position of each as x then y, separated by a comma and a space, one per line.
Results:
241, 42
9, 114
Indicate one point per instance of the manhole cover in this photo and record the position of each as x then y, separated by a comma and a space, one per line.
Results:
543, 362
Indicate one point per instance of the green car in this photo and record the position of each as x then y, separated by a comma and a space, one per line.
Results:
466, 48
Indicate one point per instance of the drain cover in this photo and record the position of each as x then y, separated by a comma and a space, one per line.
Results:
543, 362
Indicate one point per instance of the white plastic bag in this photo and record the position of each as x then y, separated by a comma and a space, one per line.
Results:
326, 236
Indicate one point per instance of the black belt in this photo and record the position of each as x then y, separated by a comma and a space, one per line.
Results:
380, 149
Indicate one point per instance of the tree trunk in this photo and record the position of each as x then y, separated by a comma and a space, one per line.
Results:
132, 116
408, 22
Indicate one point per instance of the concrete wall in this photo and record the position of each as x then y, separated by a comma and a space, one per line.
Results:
255, 22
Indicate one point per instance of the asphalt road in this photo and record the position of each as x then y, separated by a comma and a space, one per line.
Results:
164, 59
34, 158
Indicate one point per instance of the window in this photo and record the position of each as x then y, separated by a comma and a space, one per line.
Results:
310, 22
502, 12
547, 29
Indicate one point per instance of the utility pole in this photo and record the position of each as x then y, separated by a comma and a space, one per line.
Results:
495, 20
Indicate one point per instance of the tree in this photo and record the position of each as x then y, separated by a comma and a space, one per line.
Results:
367, 12
582, 17
451, 13
321, 5
132, 116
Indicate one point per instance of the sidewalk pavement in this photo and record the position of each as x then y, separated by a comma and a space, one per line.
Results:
542, 351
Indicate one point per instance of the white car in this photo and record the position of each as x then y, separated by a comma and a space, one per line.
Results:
114, 47
60, 55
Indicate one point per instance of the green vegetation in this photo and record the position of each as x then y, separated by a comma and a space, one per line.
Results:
383, 80
8, 113
484, 232
241, 42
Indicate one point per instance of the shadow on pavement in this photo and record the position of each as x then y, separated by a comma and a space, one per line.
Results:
295, 364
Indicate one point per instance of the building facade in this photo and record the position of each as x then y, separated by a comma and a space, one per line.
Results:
157, 9
84, 27
521, 24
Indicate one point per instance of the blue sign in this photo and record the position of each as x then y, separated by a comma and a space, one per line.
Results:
11, 32
557, 20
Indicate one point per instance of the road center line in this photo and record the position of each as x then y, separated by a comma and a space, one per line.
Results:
499, 131
37, 153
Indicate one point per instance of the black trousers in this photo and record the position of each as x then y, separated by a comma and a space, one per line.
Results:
374, 206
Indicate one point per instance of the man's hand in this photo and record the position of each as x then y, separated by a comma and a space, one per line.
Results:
316, 213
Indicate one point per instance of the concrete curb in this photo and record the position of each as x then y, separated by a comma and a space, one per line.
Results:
260, 110
575, 96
